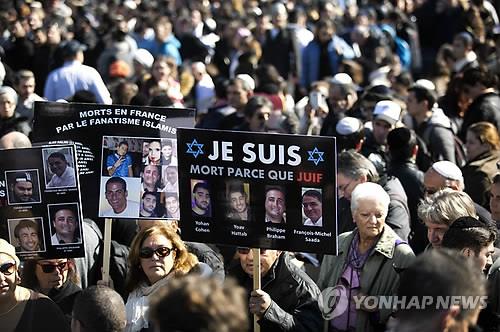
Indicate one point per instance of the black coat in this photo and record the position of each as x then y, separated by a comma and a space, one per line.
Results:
65, 297
486, 107
294, 296
412, 180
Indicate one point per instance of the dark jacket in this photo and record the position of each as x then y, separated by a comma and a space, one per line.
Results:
438, 136
412, 180
65, 297
41, 314
486, 107
294, 305
478, 175
278, 51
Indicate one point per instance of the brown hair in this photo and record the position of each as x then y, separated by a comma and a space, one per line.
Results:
486, 133
183, 263
29, 279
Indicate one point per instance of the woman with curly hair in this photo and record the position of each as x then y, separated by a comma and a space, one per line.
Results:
157, 254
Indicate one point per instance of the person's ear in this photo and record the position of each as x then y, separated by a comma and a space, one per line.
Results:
362, 179
359, 145
467, 252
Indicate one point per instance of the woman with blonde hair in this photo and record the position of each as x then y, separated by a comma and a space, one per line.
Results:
483, 154
157, 254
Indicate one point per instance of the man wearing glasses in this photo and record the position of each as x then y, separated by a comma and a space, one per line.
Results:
17, 302
65, 225
116, 196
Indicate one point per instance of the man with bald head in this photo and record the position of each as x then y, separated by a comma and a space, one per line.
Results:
14, 140
445, 174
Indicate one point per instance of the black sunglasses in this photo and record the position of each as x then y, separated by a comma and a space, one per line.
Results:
7, 269
147, 252
49, 268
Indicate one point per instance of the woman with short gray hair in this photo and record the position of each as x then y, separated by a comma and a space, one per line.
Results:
9, 119
366, 265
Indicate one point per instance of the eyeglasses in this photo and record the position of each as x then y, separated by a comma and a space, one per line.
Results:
49, 268
7, 269
162, 252
245, 250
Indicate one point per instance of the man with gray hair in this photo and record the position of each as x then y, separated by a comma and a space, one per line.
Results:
353, 169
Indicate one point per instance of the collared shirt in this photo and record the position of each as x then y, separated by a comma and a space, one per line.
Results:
309, 222
73, 76
57, 241
67, 179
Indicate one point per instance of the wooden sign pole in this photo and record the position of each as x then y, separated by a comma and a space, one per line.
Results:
256, 282
107, 250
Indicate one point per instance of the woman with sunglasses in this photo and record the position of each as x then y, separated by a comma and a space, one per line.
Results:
22, 309
157, 254
55, 278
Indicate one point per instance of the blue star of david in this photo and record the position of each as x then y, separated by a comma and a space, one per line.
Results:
318, 159
190, 146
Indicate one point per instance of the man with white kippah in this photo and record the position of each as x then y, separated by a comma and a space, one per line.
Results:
350, 134
429, 122
445, 174
342, 96
386, 116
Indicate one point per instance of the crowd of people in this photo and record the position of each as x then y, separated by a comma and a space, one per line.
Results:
408, 88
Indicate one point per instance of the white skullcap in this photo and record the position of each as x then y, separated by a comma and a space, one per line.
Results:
144, 57
247, 79
448, 170
387, 110
348, 125
426, 84
341, 78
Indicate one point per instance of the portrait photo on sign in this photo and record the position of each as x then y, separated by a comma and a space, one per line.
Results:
312, 207
59, 168
200, 198
275, 204
27, 234
170, 179
151, 206
23, 187
172, 206
122, 156
65, 224
119, 197
151, 178
161, 152
238, 200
